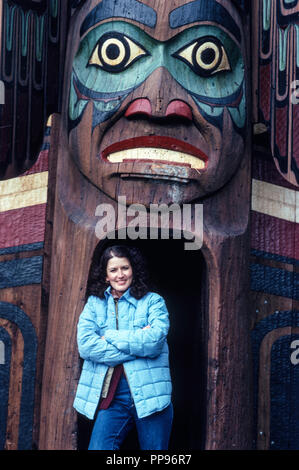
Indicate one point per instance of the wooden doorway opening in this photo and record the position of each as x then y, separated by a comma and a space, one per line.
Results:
180, 277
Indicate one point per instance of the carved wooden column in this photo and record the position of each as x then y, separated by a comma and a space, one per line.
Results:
155, 109
32, 38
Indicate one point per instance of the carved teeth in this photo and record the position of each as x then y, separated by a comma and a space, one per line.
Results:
158, 154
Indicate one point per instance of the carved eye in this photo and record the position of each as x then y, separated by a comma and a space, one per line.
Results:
206, 56
114, 52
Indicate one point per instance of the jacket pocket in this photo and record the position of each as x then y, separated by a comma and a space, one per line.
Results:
101, 322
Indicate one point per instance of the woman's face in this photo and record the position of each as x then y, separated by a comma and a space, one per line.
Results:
119, 274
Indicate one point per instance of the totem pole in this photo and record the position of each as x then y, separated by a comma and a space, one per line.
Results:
155, 105
274, 223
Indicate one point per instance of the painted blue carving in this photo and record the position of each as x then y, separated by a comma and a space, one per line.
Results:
4, 384
131, 9
21, 272
274, 281
21, 248
263, 327
105, 104
204, 10
15, 315
268, 255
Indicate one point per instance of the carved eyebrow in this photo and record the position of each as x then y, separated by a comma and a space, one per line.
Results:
204, 10
131, 9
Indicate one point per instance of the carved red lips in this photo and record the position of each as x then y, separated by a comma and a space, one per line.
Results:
159, 149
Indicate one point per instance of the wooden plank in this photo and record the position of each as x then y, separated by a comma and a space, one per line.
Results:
24, 191
23, 226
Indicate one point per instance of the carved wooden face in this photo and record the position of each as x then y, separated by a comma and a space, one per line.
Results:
157, 102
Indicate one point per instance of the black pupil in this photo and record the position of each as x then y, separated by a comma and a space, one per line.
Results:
112, 51
208, 56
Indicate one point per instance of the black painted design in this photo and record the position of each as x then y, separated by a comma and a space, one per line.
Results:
204, 10
21, 248
289, 318
284, 386
268, 255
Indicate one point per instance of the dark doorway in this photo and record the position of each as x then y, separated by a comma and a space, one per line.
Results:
180, 277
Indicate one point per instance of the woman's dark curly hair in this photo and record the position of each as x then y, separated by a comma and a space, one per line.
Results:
140, 283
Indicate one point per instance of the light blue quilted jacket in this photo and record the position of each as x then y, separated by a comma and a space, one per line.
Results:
144, 353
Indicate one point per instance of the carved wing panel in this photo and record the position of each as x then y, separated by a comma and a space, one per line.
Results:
276, 69
32, 38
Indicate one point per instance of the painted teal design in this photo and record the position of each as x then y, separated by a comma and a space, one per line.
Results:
283, 43
266, 14
94, 81
12, 13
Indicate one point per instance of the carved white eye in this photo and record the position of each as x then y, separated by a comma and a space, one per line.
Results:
114, 52
205, 56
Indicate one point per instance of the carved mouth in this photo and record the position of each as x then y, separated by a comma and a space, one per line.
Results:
155, 149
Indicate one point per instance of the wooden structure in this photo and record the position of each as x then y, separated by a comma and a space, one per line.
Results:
156, 105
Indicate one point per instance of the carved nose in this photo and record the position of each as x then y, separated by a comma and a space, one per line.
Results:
176, 108
139, 107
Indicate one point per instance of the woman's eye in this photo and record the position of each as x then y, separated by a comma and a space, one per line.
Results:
206, 56
114, 52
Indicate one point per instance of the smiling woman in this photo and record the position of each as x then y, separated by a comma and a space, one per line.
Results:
119, 275
121, 336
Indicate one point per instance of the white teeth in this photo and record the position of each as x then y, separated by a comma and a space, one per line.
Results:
149, 153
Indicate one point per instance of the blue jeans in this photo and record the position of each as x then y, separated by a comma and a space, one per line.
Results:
112, 425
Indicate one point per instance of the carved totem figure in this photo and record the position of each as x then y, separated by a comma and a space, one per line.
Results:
155, 107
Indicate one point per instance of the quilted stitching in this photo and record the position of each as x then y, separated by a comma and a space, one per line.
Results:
144, 353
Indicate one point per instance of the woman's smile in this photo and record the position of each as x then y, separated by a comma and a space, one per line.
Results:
119, 275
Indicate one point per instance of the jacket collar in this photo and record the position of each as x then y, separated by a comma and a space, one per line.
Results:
127, 296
